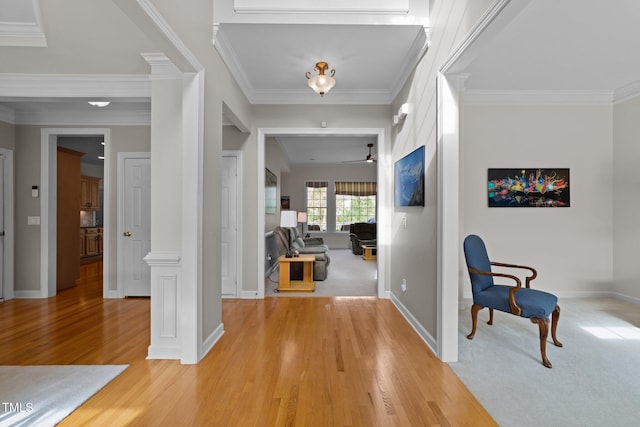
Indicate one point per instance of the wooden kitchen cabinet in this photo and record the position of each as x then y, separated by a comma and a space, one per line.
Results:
89, 188
83, 249
92, 241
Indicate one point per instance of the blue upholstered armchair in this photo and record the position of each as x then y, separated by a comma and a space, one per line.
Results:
524, 302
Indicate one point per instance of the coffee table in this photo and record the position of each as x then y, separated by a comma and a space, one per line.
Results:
369, 252
306, 284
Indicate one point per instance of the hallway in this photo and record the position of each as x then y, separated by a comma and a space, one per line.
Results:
281, 361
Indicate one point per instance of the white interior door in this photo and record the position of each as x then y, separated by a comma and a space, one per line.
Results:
136, 230
229, 226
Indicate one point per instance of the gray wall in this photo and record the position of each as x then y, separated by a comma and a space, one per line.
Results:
27, 171
7, 135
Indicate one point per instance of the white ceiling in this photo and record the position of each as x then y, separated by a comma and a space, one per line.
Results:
545, 46
372, 62
326, 149
559, 46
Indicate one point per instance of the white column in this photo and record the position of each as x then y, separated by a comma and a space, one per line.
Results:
165, 261
448, 217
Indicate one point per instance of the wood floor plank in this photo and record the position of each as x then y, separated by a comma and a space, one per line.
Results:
281, 362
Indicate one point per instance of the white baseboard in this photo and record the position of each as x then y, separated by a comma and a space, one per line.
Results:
27, 294
582, 294
113, 295
211, 340
158, 352
626, 298
422, 332
579, 294
251, 295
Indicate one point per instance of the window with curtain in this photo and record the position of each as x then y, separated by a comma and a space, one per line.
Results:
355, 202
316, 205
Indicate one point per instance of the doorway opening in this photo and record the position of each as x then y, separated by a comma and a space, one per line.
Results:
82, 139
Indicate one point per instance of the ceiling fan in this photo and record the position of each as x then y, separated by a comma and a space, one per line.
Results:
369, 159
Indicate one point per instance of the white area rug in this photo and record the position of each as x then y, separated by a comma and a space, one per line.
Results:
595, 379
348, 275
45, 395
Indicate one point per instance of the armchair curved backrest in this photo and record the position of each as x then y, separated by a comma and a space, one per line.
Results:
477, 258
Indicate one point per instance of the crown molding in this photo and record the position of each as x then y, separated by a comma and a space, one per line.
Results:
537, 97
308, 97
75, 85
7, 115
23, 34
61, 117
229, 57
418, 49
328, 6
627, 92
161, 67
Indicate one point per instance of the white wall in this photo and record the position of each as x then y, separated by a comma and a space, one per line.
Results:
570, 247
626, 182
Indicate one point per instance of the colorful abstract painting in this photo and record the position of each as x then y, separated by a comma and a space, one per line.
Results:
528, 188
409, 179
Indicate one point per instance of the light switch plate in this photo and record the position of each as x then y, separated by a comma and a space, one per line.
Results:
33, 220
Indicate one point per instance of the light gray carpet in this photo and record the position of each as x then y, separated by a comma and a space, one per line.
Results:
595, 379
45, 395
348, 275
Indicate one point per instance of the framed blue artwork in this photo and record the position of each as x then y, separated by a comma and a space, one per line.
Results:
409, 179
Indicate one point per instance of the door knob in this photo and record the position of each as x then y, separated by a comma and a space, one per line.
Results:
127, 234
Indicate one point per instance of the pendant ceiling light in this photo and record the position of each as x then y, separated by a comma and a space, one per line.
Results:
321, 83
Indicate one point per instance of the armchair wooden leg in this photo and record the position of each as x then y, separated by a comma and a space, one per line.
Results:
490, 322
544, 332
555, 316
474, 319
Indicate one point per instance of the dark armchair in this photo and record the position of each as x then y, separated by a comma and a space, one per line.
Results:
362, 233
520, 301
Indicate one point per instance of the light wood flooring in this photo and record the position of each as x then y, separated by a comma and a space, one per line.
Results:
282, 362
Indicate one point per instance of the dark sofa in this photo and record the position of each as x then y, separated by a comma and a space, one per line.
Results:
286, 238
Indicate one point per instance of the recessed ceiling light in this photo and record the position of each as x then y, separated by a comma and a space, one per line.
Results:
99, 103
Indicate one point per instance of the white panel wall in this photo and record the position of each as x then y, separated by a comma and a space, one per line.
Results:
570, 247
626, 185
414, 251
